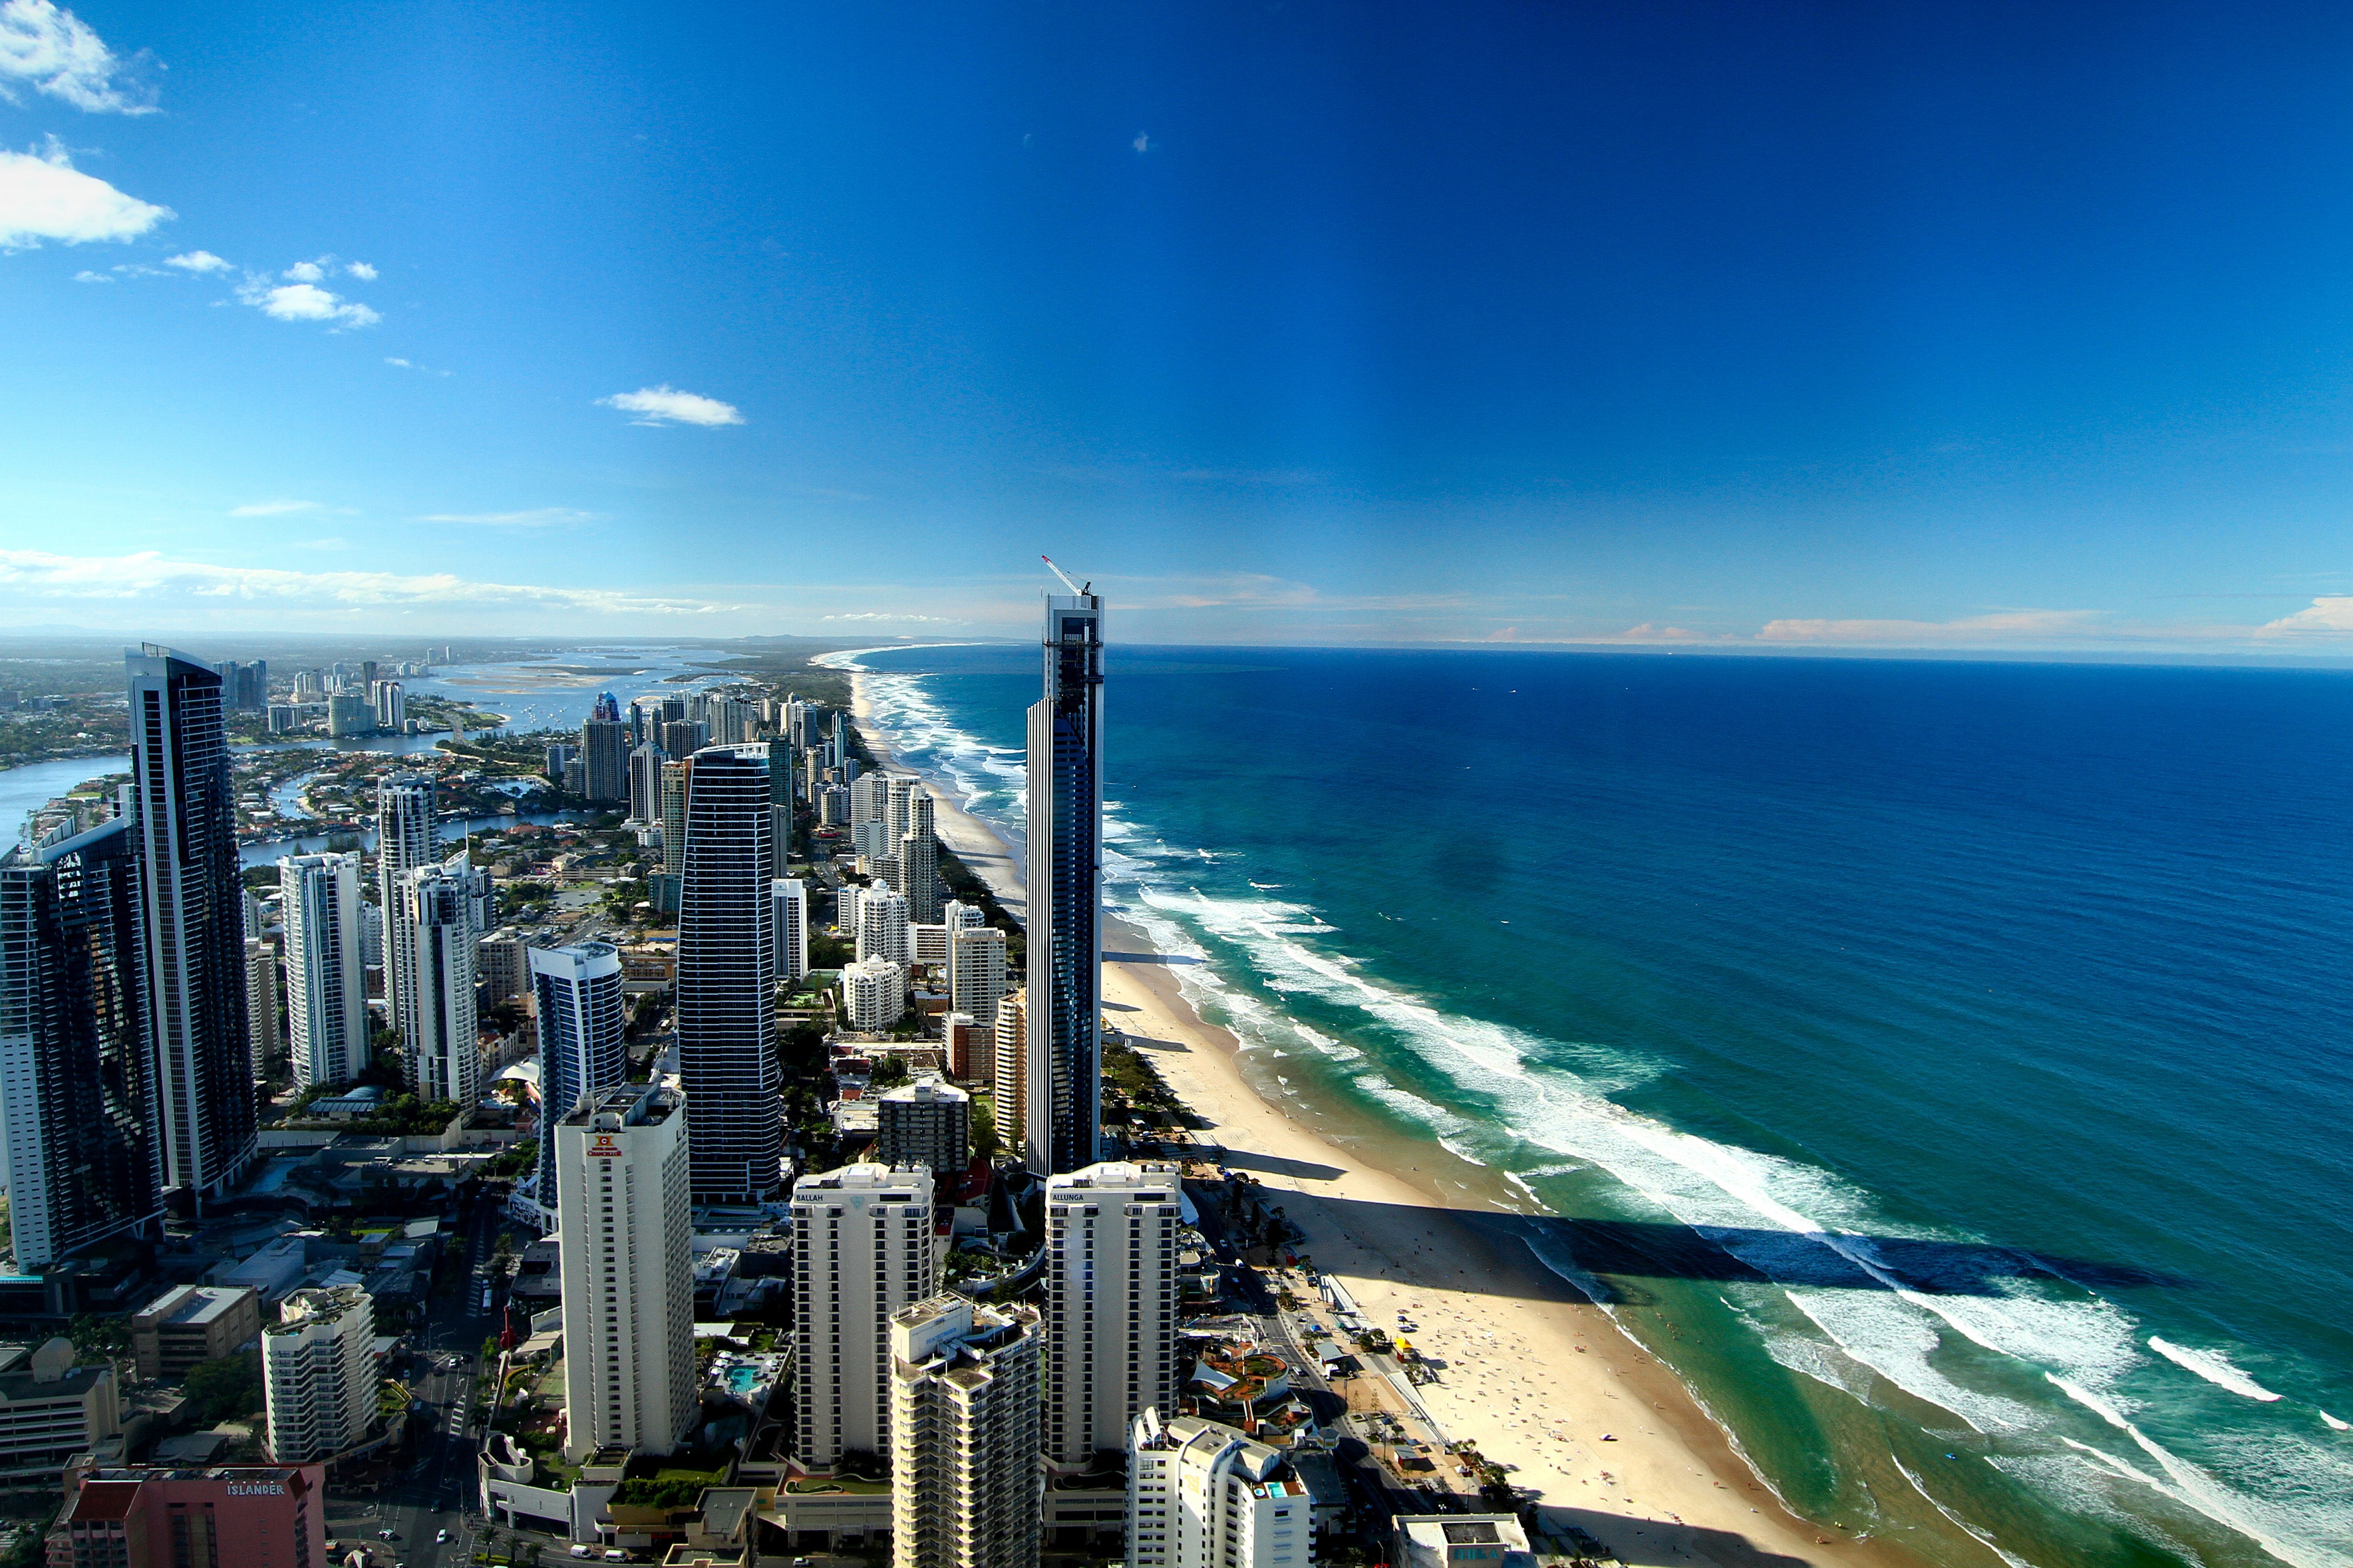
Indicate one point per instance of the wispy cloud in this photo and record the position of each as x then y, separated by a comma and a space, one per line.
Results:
361, 271
56, 53
42, 577
272, 508
538, 516
411, 365
305, 302
198, 261
1141, 144
2004, 625
666, 405
87, 275
44, 196
872, 615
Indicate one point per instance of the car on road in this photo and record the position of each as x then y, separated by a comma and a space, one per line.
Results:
387, 1535
440, 1538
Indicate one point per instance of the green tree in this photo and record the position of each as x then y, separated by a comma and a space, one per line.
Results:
225, 1388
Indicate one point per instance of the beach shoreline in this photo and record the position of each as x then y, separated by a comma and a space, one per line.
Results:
1534, 1372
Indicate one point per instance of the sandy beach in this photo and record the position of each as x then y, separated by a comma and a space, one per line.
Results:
1532, 1373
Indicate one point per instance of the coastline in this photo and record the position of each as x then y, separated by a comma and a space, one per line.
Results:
1534, 1373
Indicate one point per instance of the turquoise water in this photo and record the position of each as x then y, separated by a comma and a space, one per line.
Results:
1947, 1063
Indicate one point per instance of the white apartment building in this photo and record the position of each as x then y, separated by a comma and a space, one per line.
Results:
318, 1373
1110, 1304
883, 926
405, 840
791, 899
926, 1124
1010, 1069
964, 1486
918, 853
873, 993
443, 1046
621, 1182
928, 944
863, 1248
261, 1015
976, 969
1200, 1495
326, 985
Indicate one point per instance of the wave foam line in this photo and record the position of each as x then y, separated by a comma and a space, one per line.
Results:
2194, 1488
1958, 1522
2214, 1367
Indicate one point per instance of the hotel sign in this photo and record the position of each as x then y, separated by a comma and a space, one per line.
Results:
257, 1488
602, 1144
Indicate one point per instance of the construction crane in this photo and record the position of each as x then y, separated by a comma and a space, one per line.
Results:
1065, 577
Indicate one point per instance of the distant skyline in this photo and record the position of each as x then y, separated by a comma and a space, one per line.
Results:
1990, 327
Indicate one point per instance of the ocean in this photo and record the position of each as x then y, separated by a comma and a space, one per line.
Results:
1944, 1064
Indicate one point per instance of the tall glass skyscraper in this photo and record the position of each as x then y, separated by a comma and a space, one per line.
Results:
194, 916
75, 1069
1063, 1092
405, 840
582, 1046
726, 979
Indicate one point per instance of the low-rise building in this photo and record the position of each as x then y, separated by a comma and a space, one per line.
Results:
193, 1323
1202, 1495
1457, 1540
254, 1516
51, 1409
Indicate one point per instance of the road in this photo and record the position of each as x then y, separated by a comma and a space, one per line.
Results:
439, 1489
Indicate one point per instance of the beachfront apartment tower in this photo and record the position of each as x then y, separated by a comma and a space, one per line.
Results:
436, 916
863, 1248
673, 813
964, 1482
583, 1047
1110, 1304
193, 908
917, 851
621, 1159
873, 993
318, 1373
976, 969
326, 982
1200, 1495
790, 896
883, 926
1065, 890
927, 1122
75, 1084
726, 979
1009, 1067
406, 841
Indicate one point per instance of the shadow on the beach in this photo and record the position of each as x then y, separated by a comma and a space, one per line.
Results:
1275, 1165
1635, 1541
1148, 958
1614, 1256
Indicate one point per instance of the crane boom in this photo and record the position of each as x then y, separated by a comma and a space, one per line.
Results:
1065, 577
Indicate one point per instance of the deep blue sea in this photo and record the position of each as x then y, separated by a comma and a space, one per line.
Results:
1991, 1022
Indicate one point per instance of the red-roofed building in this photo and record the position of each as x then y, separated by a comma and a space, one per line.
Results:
256, 1516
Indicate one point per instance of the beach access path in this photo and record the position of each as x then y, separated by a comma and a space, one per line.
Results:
1534, 1373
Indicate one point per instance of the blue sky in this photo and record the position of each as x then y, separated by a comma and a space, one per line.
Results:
1749, 325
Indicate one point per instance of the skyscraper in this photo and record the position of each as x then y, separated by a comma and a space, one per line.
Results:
1065, 889
444, 1053
919, 861
326, 983
1009, 1067
645, 782
604, 756
75, 1069
263, 1017
976, 969
390, 706
1110, 1304
582, 1047
621, 1160
863, 1247
318, 1373
780, 801
406, 841
673, 813
193, 908
1200, 1495
965, 1485
726, 979
882, 927
684, 737
791, 899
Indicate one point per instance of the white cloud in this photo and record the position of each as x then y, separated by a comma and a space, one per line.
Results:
56, 53
396, 359
1141, 144
2006, 625
308, 271
87, 275
272, 508
305, 303
361, 271
538, 517
2331, 614
44, 196
666, 405
198, 261
35, 576
879, 615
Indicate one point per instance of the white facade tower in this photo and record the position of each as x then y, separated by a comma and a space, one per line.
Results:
628, 1274
1110, 1304
435, 919
1200, 1495
326, 987
406, 841
582, 1043
863, 1248
318, 1373
790, 896
965, 1487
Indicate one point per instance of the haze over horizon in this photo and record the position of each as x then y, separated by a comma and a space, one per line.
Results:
2002, 331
